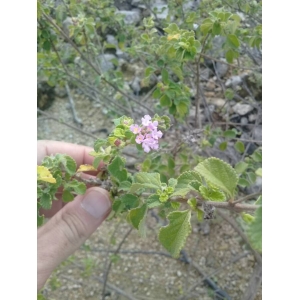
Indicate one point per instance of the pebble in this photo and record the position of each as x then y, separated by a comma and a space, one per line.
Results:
221, 68
233, 81
242, 109
244, 121
179, 273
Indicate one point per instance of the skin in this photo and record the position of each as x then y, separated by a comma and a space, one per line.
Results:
70, 225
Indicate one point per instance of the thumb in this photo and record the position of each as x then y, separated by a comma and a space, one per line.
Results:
68, 229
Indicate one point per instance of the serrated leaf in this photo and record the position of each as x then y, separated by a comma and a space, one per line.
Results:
67, 196
241, 167
149, 71
68, 162
239, 146
247, 218
116, 169
175, 205
129, 201
43, 174
146, 180
172, 182
218, 173
99, 143
46, 201
125, 185
77, 187
173, 236
212, 194
185, 178
153, 201
255, 230
165, 101
136, 215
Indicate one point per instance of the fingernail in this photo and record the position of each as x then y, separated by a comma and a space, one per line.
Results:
96, 203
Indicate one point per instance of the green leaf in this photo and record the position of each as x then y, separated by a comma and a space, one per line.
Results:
255, 230
173, 236
156, 94
146, 180
200, 215
136, 215
241, 167
239, 146
172, 182
165, 101
153, 201
223, 146
68, 162
219, 174
149, 71
165, 76
185, 178
182, 108
229, 55
46, 201
116, 169
129, 201
99, 143
229, 134
243, 182
233, 40
216, 29
78, 187
258, 172
97, 161
67, 196
192, 203
206, 26
212, 194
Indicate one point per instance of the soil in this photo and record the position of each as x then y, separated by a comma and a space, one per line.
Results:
142, 269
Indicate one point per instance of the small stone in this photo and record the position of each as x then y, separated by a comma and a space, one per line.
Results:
179, 274
252, 118
233, 81
218, 102
242, 109
244, 121
221, 69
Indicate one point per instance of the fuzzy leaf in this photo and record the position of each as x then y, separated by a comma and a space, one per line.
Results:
218, 173
153, 201
173, 236
212, 194
258, 172
116, 169
43, 174
46, 201
67, 196
69, 163
136, 215
185, 178
146, 180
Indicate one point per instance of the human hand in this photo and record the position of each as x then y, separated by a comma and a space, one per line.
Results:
72, 223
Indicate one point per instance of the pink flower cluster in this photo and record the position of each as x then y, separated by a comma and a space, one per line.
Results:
147, 134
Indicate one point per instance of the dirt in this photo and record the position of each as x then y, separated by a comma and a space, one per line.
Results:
141, 270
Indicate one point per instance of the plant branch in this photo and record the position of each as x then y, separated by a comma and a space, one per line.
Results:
75, 117
248, 197
93, 67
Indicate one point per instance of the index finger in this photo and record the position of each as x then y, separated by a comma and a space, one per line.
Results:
79, 153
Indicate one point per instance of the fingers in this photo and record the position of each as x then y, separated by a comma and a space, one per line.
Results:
78, 152
69, 229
